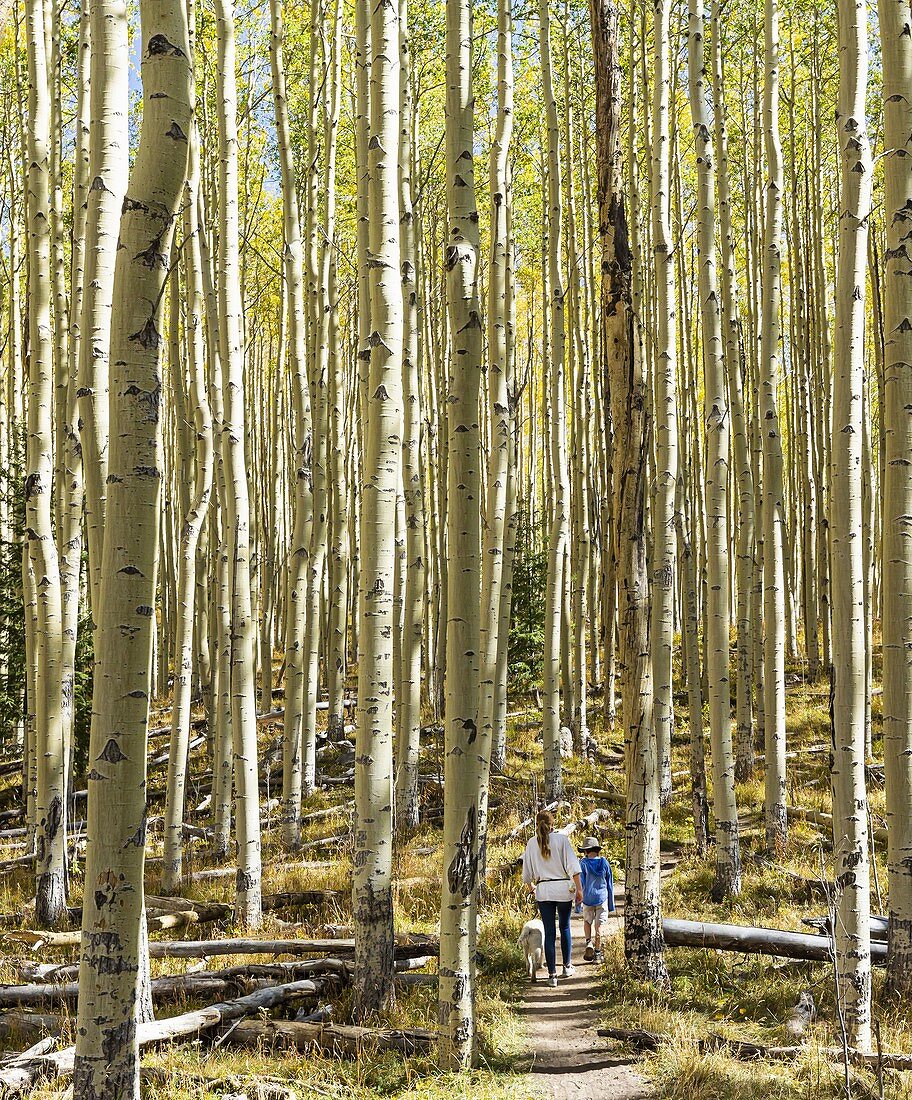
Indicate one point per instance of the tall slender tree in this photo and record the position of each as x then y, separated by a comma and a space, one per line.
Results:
664, 386
850, 806
50, 794
896, 44
463, 572
373, 882
237, 518
774, 601
716, 420
107, 1055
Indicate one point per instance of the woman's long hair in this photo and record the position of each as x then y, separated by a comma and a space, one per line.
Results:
543, 825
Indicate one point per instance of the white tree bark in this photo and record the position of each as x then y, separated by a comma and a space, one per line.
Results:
716, 418
372, 900
408, 703
243, 627
774, 609
50, 797
896, 42
191, 527
462, 563
296, 594
558, 572
107, 1057
850, 805
109, 152
662, 567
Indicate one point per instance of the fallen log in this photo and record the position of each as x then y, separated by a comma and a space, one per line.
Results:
879, 926
635, 1037
28, 1027
231, 872
21, 1079
297, 899
405, 948
755, 941
325, 842
336, 1038
315, 815
172, 987
526, 823
825, 821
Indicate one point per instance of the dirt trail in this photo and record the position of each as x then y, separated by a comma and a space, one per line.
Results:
568, 1061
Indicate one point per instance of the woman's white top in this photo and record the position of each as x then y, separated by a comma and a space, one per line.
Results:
553, 877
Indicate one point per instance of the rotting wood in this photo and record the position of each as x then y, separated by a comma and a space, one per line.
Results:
336, 1038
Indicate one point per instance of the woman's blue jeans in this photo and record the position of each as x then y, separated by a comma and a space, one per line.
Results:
559, 910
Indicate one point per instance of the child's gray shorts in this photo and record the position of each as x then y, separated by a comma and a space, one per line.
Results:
596, 914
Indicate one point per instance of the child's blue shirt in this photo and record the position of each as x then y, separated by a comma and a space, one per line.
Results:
598, 882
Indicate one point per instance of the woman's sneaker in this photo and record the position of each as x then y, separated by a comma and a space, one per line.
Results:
589, 953
552, 981
599, 957
567, 972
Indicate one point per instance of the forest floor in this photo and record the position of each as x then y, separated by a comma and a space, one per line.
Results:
567, 1055
734, 996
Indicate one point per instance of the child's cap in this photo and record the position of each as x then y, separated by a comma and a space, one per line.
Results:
591, 844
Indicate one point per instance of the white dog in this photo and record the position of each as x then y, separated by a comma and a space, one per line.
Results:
532, 941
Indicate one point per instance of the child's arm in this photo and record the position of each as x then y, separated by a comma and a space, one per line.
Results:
583, 874
609, 879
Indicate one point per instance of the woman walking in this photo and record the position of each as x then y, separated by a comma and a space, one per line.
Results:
551, 869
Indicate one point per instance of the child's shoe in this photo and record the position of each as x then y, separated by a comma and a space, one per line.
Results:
599, 957
589, 953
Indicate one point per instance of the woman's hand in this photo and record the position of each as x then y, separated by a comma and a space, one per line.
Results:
579, 897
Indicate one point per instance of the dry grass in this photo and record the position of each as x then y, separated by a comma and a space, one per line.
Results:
738, 997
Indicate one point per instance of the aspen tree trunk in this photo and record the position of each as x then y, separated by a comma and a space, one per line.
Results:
71, 492
698, 793
462, 769
107, 1056
716, 420
335, 617
317, 360
409, 701
372, 892
560, 513
896, 42
222, 757
191, 527
774, 596
501, 430
850, 805
733, 350
296, 593
243, 627
50, 798
340, 551
108, 169
665, 427
499, 742
622, 357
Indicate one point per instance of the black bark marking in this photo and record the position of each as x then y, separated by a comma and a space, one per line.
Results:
463, 869
112, 752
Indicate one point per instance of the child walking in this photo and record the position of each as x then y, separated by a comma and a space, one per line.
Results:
598, 896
